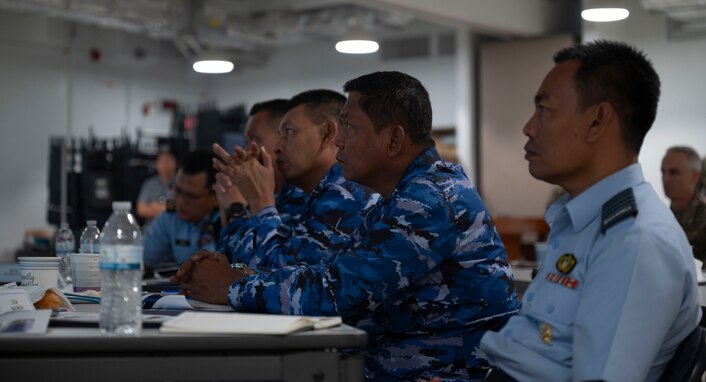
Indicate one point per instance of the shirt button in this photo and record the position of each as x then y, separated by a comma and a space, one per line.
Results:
550, 308
529, 296
554, 244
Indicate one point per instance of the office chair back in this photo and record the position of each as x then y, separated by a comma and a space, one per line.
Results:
689, 361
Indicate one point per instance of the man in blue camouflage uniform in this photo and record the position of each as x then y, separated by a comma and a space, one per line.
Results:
306, 157
616, 291
425, 276
261, 130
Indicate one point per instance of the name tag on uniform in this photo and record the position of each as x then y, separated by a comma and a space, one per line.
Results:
182, 243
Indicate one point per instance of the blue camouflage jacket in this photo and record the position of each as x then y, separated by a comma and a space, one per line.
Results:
334, 210
426, 275
290, 203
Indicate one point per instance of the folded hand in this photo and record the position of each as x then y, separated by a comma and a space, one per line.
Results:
211, 278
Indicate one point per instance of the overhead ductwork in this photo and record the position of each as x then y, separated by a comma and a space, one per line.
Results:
685, 18
247, 29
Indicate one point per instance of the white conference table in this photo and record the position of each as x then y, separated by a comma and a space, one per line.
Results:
83, 354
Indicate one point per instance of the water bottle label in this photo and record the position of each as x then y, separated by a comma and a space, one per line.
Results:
121, 257
90, 248
62, 248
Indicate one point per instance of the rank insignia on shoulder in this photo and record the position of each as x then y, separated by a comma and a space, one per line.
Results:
618, 208
566, 263
545, 333
182, 242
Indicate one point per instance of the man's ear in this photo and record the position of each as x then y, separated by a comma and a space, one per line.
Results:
603, 117
328, 133
695, 175
396, 137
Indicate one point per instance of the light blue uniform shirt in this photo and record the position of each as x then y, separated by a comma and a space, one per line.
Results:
617, 314
172, 240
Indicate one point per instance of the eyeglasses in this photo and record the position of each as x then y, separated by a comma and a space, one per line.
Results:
178, 192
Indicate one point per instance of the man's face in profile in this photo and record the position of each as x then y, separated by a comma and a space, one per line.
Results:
299, 146
556, 148
260, 130
361, 150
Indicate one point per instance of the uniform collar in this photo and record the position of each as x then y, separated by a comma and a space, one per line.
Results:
333, 175
212, 218
420, 164
587, 206
425, 160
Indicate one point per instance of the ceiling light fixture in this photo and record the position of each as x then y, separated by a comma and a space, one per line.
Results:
357, 40
213, 66
604, 11
357, 46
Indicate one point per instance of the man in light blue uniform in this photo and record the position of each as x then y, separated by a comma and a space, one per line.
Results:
425, 275
192, 221
616, 291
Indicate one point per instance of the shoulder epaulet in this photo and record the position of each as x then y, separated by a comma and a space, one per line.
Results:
170, 206
618, 208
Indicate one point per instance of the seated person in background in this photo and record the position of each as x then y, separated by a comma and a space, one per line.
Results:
306, 158
192, 222
261, 129
425, 275
156, 190
616, 292
681, 171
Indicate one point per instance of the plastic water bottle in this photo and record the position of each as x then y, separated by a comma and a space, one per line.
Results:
64, 245
121, 273
90, 238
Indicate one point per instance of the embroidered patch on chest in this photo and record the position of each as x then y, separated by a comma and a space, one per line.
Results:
566, 263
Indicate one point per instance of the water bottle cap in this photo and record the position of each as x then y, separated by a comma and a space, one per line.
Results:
122, 206
64, 225
91, 222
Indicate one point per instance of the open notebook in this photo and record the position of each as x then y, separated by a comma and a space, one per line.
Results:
244, 323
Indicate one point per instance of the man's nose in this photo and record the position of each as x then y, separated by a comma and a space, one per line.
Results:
529, 129
339, 141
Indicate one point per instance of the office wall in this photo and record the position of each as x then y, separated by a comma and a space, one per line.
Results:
681, 64
107, 96
510, 74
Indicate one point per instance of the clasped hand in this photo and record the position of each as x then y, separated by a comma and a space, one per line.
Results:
207, 276
251, 171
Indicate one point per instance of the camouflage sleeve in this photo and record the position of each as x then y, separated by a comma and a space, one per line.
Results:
241, 235
265, 241
390, 253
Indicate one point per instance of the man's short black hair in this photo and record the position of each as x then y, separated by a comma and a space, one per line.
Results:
275, 107
394, 98
621, 75
198, 161
321, 104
